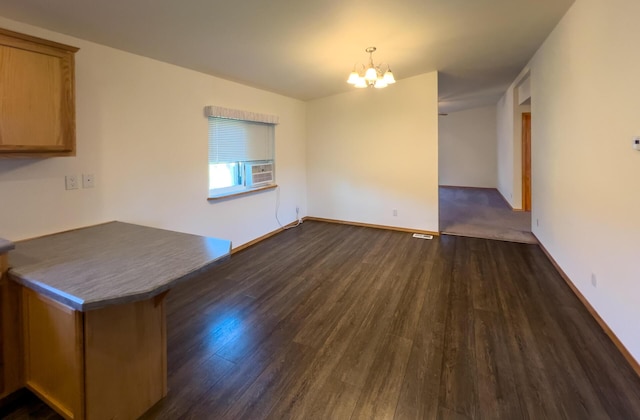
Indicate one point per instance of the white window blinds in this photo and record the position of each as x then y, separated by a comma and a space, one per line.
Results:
233, 140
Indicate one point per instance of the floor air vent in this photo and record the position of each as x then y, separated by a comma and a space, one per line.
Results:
422, 236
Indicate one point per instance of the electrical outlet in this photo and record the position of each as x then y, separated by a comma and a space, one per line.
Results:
594, 280
88, 181
395, 212
71, 182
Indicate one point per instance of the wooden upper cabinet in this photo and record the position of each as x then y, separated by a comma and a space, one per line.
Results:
37, 97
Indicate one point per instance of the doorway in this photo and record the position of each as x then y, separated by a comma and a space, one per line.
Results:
469, 202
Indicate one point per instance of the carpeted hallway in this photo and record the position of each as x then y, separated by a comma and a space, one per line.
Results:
482, 213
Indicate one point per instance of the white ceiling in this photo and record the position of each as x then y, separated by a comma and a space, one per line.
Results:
305, 49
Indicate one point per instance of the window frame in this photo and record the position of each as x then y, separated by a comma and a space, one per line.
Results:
217, 115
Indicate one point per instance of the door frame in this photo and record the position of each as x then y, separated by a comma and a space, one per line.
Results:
526, 161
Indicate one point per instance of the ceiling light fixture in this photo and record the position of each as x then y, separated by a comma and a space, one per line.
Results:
371, 76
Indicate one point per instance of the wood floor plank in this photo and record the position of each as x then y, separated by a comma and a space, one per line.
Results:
331, 399
416, 267
458, 386
258, 400
355, 365
189, 385
322, 377
497, 396
383, 384
485, 284
345, 300
567, 375
268, 312
330, 321
532, 376
212, 329
420, 391
226, 393
610, 390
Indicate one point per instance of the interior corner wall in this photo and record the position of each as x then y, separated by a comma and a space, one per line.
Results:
371, 151
468, 148
505, 111
509, 148
142, 132
584, 91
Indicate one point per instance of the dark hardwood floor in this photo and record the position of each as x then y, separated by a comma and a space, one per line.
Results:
340, 322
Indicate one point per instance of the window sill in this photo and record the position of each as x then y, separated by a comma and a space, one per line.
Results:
240, 193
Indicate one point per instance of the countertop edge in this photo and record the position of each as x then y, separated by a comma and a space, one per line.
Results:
6, 246
55, 294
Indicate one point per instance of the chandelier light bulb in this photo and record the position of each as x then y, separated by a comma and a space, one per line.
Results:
361, 83
380, 83
388, 77
371, 74
353, 78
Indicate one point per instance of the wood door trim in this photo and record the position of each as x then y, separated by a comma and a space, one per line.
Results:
526, 161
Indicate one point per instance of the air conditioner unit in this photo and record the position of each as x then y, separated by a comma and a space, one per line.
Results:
258, 174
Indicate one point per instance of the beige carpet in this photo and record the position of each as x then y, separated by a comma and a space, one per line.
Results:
482, 213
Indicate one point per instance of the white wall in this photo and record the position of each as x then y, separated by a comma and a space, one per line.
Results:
524, 91
504, 121
584, 91
371, 151
141, 130
509, 124
468, 148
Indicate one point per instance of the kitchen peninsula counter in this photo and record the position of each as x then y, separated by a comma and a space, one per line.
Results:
112, 263
90, 303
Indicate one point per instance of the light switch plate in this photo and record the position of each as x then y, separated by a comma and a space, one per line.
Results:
71, 182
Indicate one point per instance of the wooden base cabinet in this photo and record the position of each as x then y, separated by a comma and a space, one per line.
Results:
11, 378
101, 364
53, 341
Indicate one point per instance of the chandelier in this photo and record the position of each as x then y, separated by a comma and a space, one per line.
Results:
373, 75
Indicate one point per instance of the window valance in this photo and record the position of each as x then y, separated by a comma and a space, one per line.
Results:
236, 114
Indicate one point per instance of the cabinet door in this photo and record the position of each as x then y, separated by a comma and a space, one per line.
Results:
37, 105
53, 353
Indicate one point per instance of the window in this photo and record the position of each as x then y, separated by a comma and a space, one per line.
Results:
241, 155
